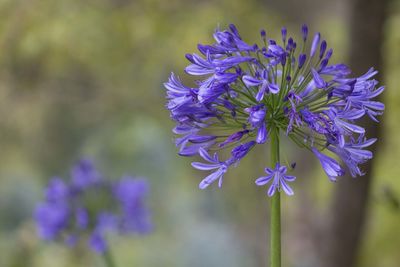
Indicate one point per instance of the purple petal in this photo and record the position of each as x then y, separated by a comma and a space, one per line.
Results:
377, 92
284, 33
281, 169
231, 61
366, 143
192, 150
261, 134
221, 179
352, 114
349, 126
205, 166
264, 180
198, 70
204, 154
271, 190
269, 170
302, 59
241, 151
370, 73
261, 92
322, 49
374, 105
360, 154
234, 30
304, 31
276, 50
319, 82
289, 178
286, 188
273, 88
315, 43
251, 81
210, 179
330, 166
201, 138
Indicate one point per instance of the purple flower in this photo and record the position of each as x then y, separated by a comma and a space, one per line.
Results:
82, 218
241, 151
279, 180
231, 40
199, 65
234, 137
302, 59
213, 164
284, 34
314, 44
84, 174
190, 142
132, 194
330, 166
89, 205
322, 49
243, 91
276, 54
51, 219
57, 190
291, 112
256, 115
106, 221
264, 85
353, 154
257, 121
319, 82
178, 94
304, 32
97, 242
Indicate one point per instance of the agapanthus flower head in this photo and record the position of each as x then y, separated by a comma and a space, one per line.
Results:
88, 206
244, 91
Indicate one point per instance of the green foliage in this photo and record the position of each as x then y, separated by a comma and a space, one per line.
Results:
84, 78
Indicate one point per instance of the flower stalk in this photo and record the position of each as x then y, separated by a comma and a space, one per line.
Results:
275, 213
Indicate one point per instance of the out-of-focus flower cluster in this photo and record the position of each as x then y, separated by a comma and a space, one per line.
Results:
247, 91
88, 206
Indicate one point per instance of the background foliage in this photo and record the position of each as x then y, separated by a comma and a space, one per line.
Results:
84, 78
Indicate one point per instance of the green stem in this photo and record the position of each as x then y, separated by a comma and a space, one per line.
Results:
275, 234
108, 259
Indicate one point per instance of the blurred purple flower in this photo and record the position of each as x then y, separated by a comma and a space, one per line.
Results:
84, 174
97, 242
51, 219
131, 194
74, 216
57, 190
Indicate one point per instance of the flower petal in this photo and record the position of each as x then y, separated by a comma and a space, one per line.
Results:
271, 190
251, 81
286, 188
263, 180
319, 82
205, 166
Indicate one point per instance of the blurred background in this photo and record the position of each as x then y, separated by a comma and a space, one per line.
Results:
84, 78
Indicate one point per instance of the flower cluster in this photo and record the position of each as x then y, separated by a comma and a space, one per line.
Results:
89, 206
246, 91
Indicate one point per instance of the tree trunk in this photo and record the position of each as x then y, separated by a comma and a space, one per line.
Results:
350, 199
